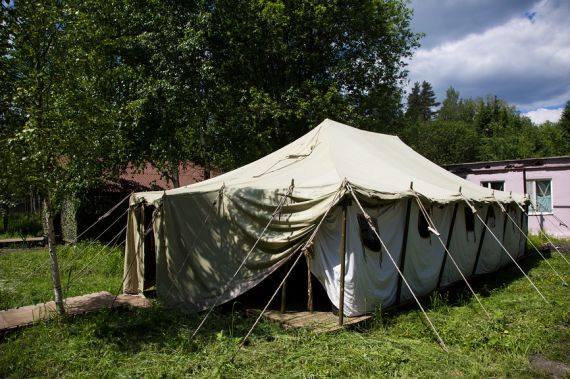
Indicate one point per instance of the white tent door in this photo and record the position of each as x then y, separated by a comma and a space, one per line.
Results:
371, 279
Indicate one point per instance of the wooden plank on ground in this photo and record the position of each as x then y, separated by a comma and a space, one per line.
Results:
19, 240
17, 317
319, 322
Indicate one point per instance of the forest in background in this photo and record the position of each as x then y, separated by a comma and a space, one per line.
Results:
473, 130
90, 86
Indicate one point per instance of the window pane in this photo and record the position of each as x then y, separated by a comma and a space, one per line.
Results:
543, 196
499, 186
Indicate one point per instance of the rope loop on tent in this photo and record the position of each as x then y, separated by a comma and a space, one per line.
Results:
547, 238
371, 225
305, 246
504, 248
276, 212
286, 196
531, 243
433, 229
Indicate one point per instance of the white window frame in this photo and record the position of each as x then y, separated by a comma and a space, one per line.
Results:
531, 208
487, 183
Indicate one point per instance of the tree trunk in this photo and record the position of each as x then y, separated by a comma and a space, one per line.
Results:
53, 255
5, 218
175, 175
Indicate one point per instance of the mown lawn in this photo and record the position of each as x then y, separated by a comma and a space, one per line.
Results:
156, 342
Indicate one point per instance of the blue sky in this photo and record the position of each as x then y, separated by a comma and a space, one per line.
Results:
518, 50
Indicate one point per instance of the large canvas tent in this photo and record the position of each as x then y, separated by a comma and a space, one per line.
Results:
209, 242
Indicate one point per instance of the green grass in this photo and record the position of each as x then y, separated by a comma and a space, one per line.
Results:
21, 224
156, 342
25, 277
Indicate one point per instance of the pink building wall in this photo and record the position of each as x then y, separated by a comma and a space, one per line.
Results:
514, 172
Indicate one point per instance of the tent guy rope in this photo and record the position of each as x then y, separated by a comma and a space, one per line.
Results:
94, 259
226, 286
301, 253
76, 256
547, 238
531, 243
38, 267
474, 210
371, 225
438, 235
105, 215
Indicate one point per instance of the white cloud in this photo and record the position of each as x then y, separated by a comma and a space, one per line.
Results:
524, 60
542, 115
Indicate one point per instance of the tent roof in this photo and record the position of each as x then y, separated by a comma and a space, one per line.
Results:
318, 162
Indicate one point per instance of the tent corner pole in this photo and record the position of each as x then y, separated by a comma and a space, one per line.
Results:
284, 292
309, 285
342, 264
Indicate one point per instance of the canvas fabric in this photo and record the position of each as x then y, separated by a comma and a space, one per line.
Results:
203, 232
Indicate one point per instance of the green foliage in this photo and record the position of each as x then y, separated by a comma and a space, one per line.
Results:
444, 142
156, 342
25, 276
282, 67
467, 130
22, 224
421, 102
60, 138
564, 122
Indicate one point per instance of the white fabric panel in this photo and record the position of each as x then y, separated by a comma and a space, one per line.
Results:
463, 248
424, 256
510, 239
492, 255
370, 277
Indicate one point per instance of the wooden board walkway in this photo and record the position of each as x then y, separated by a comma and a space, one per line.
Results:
18, 317
26, 241
319, 322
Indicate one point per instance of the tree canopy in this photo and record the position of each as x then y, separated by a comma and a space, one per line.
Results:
481, 129
90, 86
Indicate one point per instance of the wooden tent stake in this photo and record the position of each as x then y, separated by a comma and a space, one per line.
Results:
284, 293
309, 285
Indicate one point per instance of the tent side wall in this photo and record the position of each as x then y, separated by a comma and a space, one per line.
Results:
202, 238
371, 280
134, 251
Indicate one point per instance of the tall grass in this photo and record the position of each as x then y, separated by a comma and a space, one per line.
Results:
21, 224
156, 342
25, 277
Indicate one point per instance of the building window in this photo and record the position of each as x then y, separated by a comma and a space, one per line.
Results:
498, 185
540, 193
